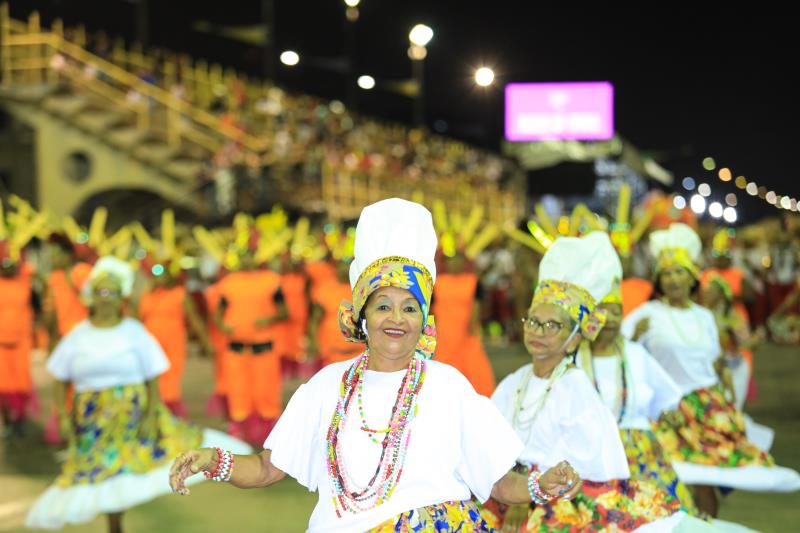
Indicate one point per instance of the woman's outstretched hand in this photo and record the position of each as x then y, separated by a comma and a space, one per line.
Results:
188, 464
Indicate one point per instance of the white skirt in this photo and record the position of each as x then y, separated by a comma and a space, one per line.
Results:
82, 503
681, 522
752, 478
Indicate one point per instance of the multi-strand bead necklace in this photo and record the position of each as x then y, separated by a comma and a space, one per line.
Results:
347, 495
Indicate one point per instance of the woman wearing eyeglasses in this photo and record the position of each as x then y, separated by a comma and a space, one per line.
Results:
121, 436
556, 411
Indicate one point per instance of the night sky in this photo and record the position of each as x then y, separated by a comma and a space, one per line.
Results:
688, 85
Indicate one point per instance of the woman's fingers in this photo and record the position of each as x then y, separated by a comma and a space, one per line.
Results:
181, 469
574, 490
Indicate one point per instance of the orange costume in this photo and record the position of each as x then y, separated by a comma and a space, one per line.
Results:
252, 363
319, 271
64, 298
220, 343
293, 285
453, 304
16, 341
162, 312
635, 292
735, 279
328, 295
65, 289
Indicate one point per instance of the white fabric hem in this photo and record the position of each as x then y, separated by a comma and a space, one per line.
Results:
79, 504
681, 522
752, 478
759, 434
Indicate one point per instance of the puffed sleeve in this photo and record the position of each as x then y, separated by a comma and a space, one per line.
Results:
60, 362
295, 441
489, 445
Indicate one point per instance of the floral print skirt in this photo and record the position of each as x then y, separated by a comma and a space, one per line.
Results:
108, 441
648, 462
447, 517
707, 429
615, 505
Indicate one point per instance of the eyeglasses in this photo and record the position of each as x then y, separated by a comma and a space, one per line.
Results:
107, 293
548, 328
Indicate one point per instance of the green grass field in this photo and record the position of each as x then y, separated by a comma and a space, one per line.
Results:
27, 467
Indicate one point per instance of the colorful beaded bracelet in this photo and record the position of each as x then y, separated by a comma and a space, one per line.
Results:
538, 496
224, 469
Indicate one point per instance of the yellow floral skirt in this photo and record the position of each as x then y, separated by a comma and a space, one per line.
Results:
108, 442
648, 463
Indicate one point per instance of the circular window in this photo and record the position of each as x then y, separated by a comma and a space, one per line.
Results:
77, 167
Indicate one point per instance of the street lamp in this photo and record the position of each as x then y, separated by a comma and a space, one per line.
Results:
290, 58
366, 82
484, 76
419, 36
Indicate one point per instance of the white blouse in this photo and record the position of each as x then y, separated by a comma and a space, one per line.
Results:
572, 425
460, 444
650, 391
685, 342
93, 358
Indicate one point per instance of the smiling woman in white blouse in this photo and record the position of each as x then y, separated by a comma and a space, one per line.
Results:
391, 440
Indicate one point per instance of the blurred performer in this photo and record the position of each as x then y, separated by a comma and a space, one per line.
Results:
64, 304
16, 336
121, 437
324, 332
705, 436
251, 305
165, 309
455, 304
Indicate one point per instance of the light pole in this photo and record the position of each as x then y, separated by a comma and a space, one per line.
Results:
419, 36
351, 17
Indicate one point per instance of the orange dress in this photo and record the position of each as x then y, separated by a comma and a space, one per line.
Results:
252, 364
635, 292
453, 304
293, 285
65, 293
320, 271
333, 347
735, 279
16, 338
64, 300
217, 338
161, 310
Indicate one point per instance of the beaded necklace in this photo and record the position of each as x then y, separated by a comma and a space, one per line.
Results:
525, 415
347, 495
621, 401
697, 327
